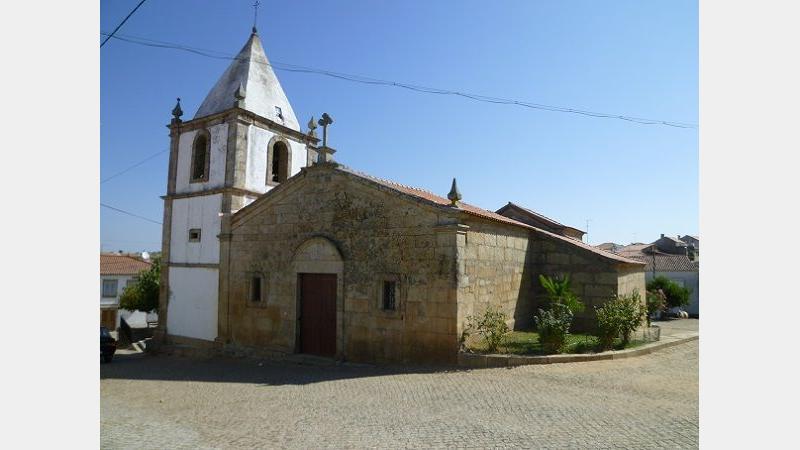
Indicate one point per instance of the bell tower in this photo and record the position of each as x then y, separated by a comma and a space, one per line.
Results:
243, 141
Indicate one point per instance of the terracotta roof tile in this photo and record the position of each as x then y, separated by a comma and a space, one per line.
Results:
480, 212
668, 263
541, 217
113, 264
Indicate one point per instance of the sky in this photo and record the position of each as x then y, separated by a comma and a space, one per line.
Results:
628, 182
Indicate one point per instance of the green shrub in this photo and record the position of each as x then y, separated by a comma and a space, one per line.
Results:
142, 295
656, 301
553, 327
677, 295
633, 313
559, 291
619, 318
491, 326
607, 326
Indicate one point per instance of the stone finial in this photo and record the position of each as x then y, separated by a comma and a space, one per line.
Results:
239, 95
454, 196
312, 126
177, 112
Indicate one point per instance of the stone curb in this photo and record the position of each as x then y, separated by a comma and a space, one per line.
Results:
480, 361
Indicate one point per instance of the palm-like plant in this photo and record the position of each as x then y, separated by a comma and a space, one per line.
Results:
559, 291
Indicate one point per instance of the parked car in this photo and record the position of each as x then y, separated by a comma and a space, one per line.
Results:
108, 345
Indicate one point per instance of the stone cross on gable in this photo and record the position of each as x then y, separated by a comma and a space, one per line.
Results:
324, 122
325, 152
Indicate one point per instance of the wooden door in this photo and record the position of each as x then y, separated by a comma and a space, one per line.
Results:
318, 314
108, 319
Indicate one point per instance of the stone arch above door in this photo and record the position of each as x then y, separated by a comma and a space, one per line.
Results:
318, 255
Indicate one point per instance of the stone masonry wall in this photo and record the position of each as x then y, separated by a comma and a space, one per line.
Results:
631, 280
381, 235
595, 279
497, 266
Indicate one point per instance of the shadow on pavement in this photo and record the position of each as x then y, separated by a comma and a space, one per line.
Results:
141, 366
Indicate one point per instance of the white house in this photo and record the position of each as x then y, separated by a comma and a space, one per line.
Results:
116, 272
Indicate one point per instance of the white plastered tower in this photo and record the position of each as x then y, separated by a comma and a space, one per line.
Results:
243, 141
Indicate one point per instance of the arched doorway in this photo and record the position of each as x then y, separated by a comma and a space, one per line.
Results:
319, 268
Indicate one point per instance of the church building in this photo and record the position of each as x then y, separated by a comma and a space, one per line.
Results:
272, 248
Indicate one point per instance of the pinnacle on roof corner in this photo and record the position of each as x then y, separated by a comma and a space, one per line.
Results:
177, 112
454, 195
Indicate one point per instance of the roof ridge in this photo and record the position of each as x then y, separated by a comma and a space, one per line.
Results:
386, 180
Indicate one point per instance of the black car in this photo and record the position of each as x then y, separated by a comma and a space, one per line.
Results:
108, 345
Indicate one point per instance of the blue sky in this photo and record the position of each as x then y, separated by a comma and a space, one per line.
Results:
632, 182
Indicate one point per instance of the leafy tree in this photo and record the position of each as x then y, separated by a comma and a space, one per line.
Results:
677, 295
143, 294
559, 291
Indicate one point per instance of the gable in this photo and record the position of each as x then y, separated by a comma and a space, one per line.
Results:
323, 190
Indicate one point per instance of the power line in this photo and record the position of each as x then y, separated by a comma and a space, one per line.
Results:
129, 213
121, 23
133, 166
429, 90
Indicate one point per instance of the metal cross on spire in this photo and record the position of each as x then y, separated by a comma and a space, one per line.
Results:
255, 15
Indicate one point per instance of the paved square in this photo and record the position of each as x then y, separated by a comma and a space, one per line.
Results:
169, 402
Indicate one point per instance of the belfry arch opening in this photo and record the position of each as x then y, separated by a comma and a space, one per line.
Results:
278, 170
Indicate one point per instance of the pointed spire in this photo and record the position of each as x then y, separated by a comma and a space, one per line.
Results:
454, 196
251, 71
177, 112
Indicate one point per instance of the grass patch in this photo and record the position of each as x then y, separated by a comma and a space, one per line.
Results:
527, 343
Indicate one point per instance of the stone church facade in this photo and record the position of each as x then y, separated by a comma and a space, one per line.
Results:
295, 253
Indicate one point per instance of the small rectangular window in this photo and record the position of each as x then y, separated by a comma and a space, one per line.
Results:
194, 235
278, 112
109, 288
255, 289
389, 295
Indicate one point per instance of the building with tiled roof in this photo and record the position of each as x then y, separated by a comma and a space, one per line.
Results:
116, 272
530, 217
118, 264
271, 247
681, 266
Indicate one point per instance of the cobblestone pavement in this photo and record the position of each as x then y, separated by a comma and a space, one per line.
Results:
170, 402
678, 327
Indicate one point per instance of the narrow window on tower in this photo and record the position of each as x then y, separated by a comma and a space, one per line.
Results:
255, 288
194, 235
200, 158
389, 295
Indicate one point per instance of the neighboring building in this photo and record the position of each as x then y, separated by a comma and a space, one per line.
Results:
609, 246
266, 252
671, 245
691, 240
532, 218
116, 272
667, 258
693, 246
